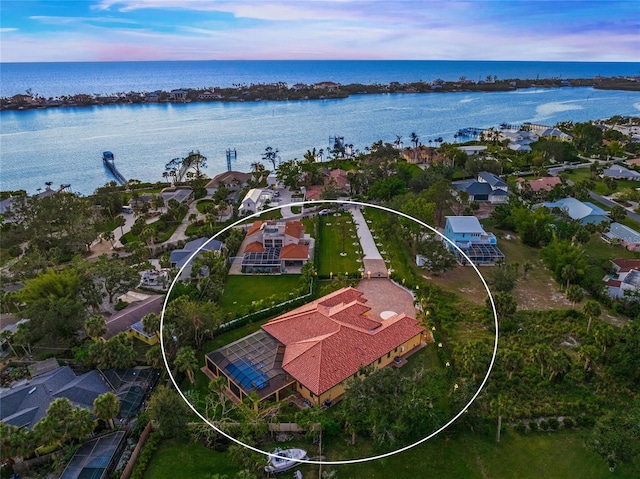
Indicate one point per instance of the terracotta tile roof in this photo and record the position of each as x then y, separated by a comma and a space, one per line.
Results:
626, 265
314, 192
255, 247
546, 183
295, 251
327, 341
254, 228
615, 283
294, 228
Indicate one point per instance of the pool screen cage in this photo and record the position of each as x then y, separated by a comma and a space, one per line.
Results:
251, 362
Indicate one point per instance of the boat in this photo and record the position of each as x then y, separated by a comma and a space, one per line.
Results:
284, 459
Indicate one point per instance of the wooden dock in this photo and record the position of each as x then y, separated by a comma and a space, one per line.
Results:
109, 161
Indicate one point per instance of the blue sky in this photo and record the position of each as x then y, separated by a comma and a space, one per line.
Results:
119, 30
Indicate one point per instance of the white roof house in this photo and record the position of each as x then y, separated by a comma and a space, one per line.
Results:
622, 235
254, 200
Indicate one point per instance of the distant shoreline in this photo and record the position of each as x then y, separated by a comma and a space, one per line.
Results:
318, 91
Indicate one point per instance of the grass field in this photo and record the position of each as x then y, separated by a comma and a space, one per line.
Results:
240, 291
554, 455
336, 231
186, 459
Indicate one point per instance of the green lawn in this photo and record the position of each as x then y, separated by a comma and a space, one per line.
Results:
585, 174
240, 290
335, 233
545, 455
400, 256
554, 455
202, 204
187, 459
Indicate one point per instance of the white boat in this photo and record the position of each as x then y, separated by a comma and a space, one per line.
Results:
282, 459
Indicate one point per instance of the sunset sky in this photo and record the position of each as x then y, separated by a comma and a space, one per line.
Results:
120, 30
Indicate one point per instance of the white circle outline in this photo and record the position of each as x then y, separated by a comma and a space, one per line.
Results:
345, 461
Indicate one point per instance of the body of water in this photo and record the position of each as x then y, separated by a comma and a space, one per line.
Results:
65, 145
56, 79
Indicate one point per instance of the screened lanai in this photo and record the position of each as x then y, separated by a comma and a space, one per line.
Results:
253, 363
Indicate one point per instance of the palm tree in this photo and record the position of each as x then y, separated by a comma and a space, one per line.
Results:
575, 294
591, 309
186, 362
120, 221
151, 323
270, 155
540, 354
106, 407
558, 363
95, 326
414, 139
568, 273
153, 357
500, 405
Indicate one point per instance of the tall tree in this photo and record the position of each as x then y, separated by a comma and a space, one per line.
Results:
114, 276
591, 309
106, 407
95, 326
186, 362
168, 412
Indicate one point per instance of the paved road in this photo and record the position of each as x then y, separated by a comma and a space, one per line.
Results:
611, 204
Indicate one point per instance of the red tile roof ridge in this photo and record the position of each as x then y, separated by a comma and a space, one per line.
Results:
255, 227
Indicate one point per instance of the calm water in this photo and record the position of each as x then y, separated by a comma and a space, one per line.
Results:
55, 79
65, 145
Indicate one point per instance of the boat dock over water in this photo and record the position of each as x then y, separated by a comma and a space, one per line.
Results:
109, 162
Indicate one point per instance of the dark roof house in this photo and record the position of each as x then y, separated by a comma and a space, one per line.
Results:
24, 405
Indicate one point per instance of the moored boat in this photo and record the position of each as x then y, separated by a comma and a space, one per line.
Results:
284, 459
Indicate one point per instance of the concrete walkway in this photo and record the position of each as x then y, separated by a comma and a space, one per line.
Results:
373, 262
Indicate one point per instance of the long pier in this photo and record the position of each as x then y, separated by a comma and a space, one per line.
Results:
109, 161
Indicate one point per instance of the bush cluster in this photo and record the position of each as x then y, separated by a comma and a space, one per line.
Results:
144, 459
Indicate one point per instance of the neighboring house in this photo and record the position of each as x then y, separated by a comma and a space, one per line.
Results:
182, 194
519, 140
231, 180
178, 95
473, 150
129, 320
338, 177
274, 246
622, 235
539, 185
581, 211
626, 279
179, 258
253, 201
546, 131
224, 214
467, 233
26, 404
314, 349
487, 187
621, 173
421, 154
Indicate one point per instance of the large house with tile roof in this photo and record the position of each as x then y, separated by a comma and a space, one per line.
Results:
314, 349
272, 246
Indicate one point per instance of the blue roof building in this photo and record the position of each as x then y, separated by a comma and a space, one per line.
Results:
581, 211
467, 233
